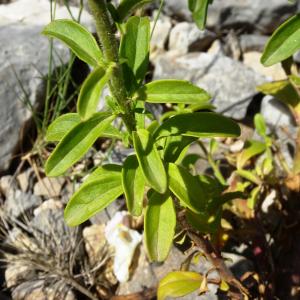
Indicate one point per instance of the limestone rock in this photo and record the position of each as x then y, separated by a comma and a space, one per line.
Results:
186, 37
23, 63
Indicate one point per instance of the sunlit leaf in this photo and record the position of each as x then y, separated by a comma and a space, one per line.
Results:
260, 125
61, 126
134, 185
93, 196
178, 284
186, 188
282, 90
198, 124
284, 42
77, 38
160, 222
150, 161
76, 143
173, 91
252, 148
134, 50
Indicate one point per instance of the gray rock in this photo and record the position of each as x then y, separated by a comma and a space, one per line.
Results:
18, 202
253, 42
231, 84
186, 37
50, 187
255, 15
275, 113
23, 63
143, 276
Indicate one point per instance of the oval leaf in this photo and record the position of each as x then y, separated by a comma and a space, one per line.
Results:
93, 197
61, 126
134, 50
198, 124
199, 9
160, 222
150, 161
91, 90
173, 91
187, 188
77, 38
134, 185
65, 123
76, 143
252, 149
284, 42
178, 284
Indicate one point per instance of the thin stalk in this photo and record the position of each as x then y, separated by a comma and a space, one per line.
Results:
110, 51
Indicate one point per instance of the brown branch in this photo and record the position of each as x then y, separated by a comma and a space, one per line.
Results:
237, 291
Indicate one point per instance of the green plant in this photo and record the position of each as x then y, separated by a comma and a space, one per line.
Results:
284, 42
174, 195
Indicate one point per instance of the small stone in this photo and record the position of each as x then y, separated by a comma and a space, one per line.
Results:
160, 36
272, 73
253, 42
275, 113
143, 275
268, 201
7, 184
186, 37
49, 187
50, 204
23, 181
237, 146
14, 274
94, 241
18, 202
216, 48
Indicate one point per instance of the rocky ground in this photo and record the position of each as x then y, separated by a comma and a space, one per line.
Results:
42, 257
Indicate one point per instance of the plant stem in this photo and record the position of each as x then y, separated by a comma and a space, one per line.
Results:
110, 51
238, 290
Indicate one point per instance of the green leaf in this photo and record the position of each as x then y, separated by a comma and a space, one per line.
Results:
260, 125
199, 9
252, 148
198, 124
150, 161
187, 188
61, 126
284, 42
173, 146
126, 7
248, 175
134, 50
77, 38
204, 222
178, 284
134, 185
160, 222
252, 200
92, 197
282, 90
173, 91
76, 143
102, 171
91, 90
